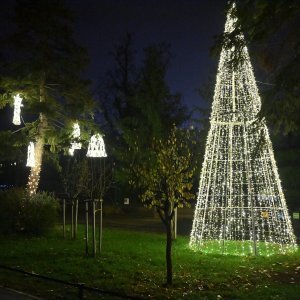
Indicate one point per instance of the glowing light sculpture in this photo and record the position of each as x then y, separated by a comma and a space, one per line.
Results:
34, 161
30, 155
241, 208
75, 135
17, 110
96, 146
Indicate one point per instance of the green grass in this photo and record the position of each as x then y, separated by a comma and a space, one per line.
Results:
244, 248
133, 263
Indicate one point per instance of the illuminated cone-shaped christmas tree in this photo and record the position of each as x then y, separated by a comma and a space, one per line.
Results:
241, 208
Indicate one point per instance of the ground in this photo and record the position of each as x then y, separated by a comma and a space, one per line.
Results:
132, 263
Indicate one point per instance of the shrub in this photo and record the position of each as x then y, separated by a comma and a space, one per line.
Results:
34, 216
11, 202
39, 214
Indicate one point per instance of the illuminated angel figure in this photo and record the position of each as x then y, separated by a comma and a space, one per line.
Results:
96, 146
75, 135
241, 207
17, 110
30, 155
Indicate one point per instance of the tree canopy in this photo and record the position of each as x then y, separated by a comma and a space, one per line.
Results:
166, 182
43, 63
139, 105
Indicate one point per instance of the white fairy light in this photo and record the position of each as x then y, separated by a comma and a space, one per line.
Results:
34, 161
96, 146
30, 156
75, 135
241, 207
17, 110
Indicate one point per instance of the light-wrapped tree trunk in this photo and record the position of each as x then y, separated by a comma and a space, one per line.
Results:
34, 176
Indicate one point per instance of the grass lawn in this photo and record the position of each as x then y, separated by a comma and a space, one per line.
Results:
133, 263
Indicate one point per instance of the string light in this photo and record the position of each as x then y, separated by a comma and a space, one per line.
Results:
34, 161
34, 177
96, 146
30, 155
75, 135
17, 110
33, 180
241, 208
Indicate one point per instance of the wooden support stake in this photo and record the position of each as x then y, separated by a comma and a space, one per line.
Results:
86, 228
94, 228
76, 218
100, 226
64, 218
72, 219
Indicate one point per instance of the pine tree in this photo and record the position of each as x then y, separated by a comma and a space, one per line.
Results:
241, 207
44, 66
142, 106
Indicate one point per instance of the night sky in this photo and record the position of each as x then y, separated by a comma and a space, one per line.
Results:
189, 26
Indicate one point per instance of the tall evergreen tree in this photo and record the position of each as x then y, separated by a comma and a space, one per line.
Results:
143, 106
44, 65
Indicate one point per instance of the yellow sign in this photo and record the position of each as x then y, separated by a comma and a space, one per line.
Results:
296, 215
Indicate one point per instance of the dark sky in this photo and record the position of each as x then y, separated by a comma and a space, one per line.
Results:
187, 25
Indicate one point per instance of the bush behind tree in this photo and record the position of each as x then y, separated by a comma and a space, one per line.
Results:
10, 208
21, 215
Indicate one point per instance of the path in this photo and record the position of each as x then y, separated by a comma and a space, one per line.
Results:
9, 294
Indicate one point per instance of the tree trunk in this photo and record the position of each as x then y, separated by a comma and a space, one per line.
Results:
169, 252
34, 176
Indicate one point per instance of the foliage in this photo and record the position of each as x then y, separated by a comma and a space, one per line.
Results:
130, 263
288, 159
43, 63
11, 146
166, 180
39, 214
18, 214
100, 177
74, 174
11, 202
46, 53
139, 106
86, 177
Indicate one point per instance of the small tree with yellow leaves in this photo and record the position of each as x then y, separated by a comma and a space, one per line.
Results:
166, 180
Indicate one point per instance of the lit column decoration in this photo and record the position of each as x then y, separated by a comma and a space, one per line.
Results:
96, 146
17, 110
75, 135
34, 161
30, 155
241, 208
